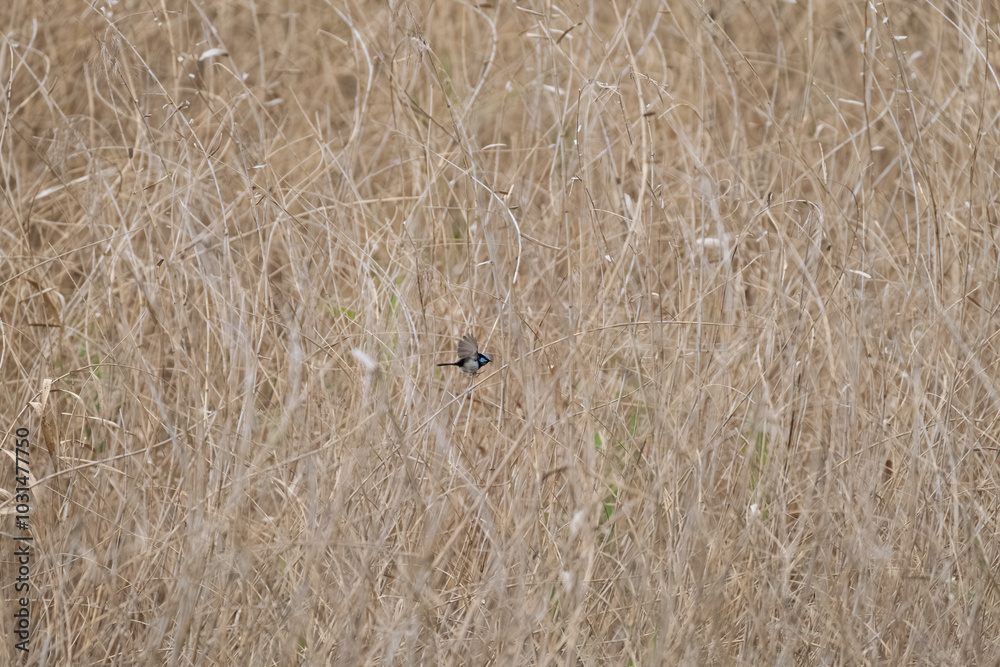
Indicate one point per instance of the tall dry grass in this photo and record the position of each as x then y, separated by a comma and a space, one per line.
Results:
736, 265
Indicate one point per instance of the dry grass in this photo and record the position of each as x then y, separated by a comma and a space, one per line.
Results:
736, 265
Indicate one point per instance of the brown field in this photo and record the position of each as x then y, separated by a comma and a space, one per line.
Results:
736, 264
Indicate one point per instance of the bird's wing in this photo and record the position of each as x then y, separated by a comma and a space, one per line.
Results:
467, 347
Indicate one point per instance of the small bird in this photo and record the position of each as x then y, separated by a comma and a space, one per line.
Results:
469, 358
